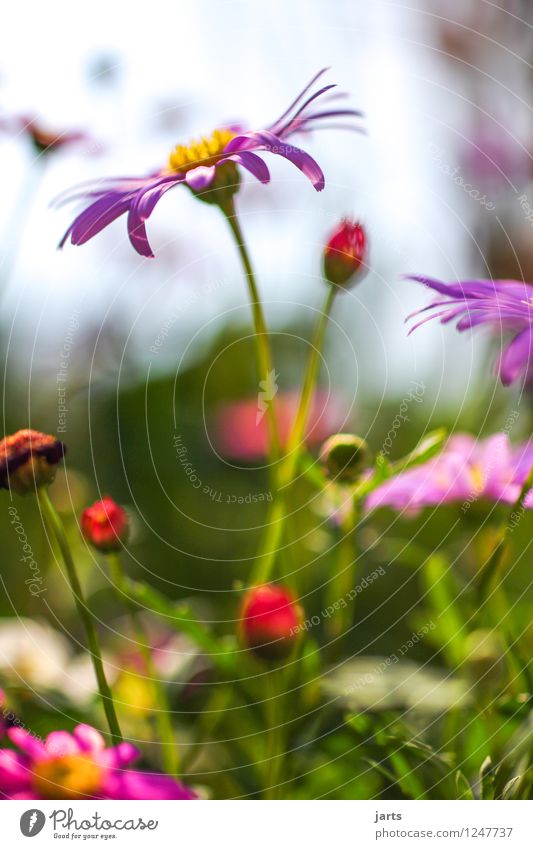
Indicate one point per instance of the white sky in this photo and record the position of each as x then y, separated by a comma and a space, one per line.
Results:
181, 69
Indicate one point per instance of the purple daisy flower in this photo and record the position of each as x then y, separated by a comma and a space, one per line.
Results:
504, 305
198, 165
465, 471
78, 766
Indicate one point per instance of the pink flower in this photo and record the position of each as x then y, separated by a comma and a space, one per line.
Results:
465, 471
241, 433
78, 766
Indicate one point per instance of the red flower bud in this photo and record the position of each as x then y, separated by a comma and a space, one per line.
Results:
345, 253
270, 620
28, 459
105, 525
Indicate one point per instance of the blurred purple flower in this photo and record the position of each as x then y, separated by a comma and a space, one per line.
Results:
504, 305
43, 139
465, 471
198, 167
78, 766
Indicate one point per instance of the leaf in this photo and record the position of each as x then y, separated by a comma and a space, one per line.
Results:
312, 471
464, 790
383, 469
425, 450
381, 769
511, 788
486, 778
442, 593
406, 777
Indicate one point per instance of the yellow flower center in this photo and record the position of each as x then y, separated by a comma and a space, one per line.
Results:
67, 777
204, 151
477, 476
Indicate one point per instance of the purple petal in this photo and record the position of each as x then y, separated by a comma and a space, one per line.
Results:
60, 743
516, 357
88, 738
273, 144
200, 178
119, 756
96, 217
254, 164
296, 101
28, 743
141, 209
146, 785
14, 773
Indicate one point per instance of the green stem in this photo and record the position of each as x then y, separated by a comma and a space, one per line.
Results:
493, 567
492, 597
343, 581
163, 715
56, 528
278, 512
265, 365
275, 745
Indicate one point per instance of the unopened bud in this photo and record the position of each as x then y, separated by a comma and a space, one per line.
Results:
270, 621
344, 457
28, 459
105, 525
345, 253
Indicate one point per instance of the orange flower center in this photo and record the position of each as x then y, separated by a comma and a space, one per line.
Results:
477, 476
67, 777
204, 151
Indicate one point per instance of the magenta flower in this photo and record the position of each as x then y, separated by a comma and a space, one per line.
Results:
465, 471
198, 166
78, 766
504, 305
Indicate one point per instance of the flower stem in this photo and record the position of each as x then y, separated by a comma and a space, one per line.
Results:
494, 564
278, 513
163, 716
274, 737
56, 528
491, 595
343, 580
263, 350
